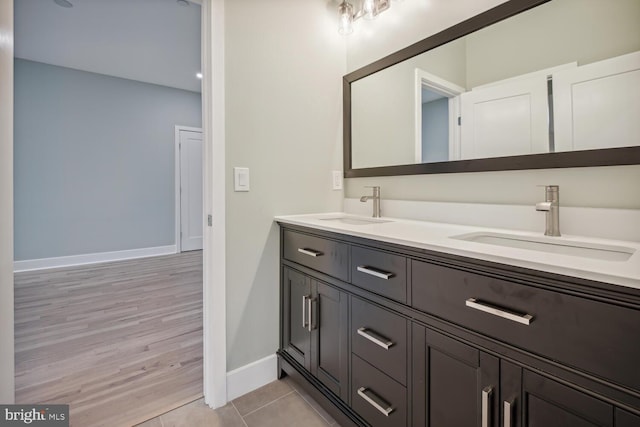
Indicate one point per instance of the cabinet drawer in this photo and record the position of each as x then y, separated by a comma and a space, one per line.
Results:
380, 272
378, 399
379, 337
593, 336
327, 256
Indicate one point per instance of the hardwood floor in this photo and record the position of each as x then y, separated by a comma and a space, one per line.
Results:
120, 342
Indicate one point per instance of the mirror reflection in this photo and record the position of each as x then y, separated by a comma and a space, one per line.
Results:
564, 76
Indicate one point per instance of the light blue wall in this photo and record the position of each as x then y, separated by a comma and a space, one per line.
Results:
94, 161
435, 131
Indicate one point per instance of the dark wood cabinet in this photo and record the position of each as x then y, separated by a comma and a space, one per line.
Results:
315, 331
531, 400
329, 337
456, 385
626, 419
296, 335
548, 403
384, 335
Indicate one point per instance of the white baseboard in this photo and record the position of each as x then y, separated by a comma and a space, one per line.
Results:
247, 378
74, 260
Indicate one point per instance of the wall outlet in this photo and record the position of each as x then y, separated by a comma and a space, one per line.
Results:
337, 180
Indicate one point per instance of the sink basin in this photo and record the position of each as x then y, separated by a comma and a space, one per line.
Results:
355, 221
552, 246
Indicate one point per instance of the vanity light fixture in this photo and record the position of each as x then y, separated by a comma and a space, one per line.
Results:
199, 75
347, 13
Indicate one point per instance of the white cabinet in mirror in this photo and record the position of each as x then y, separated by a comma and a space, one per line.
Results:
563, 76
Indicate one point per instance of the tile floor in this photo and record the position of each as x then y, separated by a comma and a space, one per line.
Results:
278, 404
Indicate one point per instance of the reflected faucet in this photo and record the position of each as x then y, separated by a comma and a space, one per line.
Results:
551, 207
376, 200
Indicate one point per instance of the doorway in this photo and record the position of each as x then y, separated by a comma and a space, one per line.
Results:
213, 82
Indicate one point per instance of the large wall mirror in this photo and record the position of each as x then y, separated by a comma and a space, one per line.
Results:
529, 84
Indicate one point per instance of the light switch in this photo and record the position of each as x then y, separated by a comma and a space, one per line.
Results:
337, 180
241, 179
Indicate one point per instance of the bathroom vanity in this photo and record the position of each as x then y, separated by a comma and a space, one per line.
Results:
407, 323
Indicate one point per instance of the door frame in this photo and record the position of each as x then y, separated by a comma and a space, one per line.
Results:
7, 368
445, 88
213, 135
214, 237
178, 182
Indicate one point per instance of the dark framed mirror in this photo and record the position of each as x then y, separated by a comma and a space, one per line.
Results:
529, 84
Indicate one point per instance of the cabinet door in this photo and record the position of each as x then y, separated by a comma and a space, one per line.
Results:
510, 394
626, 419
551, 404
296, 334
329, 339
455, 385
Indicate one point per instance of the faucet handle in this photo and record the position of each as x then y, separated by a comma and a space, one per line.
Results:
543, 206
551, 192
376, 190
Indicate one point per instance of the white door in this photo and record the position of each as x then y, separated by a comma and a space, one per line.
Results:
506, 119
191, 210
598, 105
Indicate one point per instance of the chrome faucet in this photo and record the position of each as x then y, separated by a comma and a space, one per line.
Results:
551, 207
376, 201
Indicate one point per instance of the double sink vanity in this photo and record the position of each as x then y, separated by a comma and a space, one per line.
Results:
410, 323
392, 322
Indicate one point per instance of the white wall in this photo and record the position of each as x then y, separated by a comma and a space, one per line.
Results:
614, 187
284, 66
6, 203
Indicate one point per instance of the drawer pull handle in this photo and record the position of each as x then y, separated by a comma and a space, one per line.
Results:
310, 324
383, 406
375, 338
310, 252
375, 272
304, 311
508, 412
486, 396
525, 319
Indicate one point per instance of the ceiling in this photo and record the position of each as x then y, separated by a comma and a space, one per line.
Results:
154, 41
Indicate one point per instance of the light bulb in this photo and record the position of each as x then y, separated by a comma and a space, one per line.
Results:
369, 9
345, 16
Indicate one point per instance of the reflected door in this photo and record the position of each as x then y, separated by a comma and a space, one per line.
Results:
598, 105
505, 119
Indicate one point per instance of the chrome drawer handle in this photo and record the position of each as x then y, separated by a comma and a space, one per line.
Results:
383, 406
375, 338
304, 310
374, 272
507, 414
310, 324
525, 319
310, 252
486, 395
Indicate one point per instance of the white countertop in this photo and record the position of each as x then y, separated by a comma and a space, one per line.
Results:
437, 237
